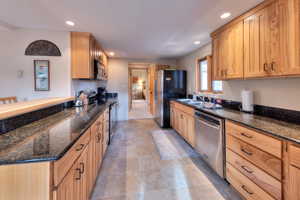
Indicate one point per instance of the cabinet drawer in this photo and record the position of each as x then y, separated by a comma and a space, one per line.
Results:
245, 186
264, 142
62, 166
256, 175
186, 109
261, 159
294, 152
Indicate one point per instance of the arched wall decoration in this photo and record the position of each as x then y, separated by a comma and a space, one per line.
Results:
42, 48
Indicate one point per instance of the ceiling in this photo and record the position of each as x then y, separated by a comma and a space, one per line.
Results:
131, 28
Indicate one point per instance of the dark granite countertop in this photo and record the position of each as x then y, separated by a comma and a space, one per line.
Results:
49, 138
280, 129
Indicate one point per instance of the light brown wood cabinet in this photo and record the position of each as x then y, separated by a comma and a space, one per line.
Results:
182, 120
253, 163
228, 53
84, 51
263, 42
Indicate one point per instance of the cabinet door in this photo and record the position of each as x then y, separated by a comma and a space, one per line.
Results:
253, 64
216, 65
262, 43
289, 37
233, 52
69, 189
82, 164
81, 52
294, 182
190, 127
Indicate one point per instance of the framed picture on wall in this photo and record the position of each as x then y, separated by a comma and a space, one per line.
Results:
41, 75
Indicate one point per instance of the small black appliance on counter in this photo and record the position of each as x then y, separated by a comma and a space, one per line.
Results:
101, 95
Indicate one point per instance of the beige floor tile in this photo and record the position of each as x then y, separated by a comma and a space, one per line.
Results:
145, 162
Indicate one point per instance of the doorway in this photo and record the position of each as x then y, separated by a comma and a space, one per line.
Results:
139, 91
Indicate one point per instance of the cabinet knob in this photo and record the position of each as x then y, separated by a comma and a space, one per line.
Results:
265, 67
81, 167
246, 190
79, 174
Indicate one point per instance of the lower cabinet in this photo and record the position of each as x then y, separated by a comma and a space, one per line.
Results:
78, 182
182, 120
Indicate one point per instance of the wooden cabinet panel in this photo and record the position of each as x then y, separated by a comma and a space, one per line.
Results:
234, 67
262, 42
289, 11
216, 66
259, 177
228, 53
294, 182
294, 155
190, 127
262, 141
245, 186
81, 55
261, 159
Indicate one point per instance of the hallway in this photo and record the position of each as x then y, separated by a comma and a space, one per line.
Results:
145, 162
139, 110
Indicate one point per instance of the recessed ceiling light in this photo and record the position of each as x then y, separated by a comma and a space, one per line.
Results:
111, 53
225, 15
70, 23
197, 42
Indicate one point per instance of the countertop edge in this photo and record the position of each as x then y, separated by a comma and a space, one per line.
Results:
20, 108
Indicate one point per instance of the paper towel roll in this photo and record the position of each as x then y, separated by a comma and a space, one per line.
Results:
247, 101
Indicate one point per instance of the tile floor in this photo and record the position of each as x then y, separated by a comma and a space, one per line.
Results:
145, 162
139, 110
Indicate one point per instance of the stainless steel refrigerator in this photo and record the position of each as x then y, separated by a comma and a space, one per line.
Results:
170, 84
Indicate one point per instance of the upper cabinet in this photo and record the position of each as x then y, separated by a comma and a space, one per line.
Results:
228, 48
264, 42
85, 53
289, 11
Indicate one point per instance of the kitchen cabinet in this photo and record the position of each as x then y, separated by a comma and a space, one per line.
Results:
228, 53
254, 162
263, 42
74, 185
294, 171
289, 15
182, 120
84, 51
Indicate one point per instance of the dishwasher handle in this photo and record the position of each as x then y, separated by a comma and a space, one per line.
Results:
207, 123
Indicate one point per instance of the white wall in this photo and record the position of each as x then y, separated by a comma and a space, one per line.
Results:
118, 80
279, 92
12, 59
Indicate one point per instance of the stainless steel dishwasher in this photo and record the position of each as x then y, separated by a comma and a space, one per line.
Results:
210, 141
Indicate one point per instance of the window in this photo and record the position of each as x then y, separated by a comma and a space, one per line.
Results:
203, 75
204, 82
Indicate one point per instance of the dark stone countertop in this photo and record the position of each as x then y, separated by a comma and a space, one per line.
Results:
49, 138
279, 129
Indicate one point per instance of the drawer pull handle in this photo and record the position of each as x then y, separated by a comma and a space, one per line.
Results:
98, 138
247, 169
246, 152
78, 170
246, 190
81, 167
80, 147
246, 135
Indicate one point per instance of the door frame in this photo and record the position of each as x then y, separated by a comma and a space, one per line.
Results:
136, 66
